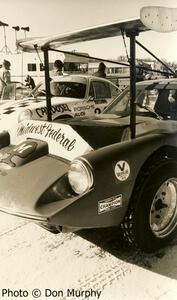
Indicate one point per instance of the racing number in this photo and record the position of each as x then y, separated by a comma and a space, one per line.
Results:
97, 111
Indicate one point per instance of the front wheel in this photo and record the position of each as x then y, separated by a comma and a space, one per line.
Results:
151, 221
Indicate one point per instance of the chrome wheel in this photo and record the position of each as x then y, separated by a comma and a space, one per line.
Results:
163, 212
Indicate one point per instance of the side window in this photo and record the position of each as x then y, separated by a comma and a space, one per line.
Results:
146, 97
31, 67
114, 91
151, 97
101, 90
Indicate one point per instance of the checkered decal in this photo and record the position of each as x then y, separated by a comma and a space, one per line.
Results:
11, 109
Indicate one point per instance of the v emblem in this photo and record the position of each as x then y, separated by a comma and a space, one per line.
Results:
121, 166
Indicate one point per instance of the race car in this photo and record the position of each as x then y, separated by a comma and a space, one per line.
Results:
118, 168
72, 96
87, 172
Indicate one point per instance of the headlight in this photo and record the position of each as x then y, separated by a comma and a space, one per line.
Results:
25, 115
80, 176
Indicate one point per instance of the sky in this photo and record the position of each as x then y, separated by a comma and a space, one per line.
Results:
48, 17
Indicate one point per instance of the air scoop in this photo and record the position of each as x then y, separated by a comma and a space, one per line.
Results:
4, 139
29, 150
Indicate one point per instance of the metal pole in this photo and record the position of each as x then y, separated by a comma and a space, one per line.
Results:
16, 41
159, 60
106, 60
89, 57
5, 40
132, 36
47, 84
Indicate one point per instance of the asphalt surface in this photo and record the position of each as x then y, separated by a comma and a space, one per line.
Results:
92, 264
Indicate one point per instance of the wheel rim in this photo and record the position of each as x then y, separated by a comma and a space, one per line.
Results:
163, 213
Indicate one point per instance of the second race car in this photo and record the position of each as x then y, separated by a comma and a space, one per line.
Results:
71, 96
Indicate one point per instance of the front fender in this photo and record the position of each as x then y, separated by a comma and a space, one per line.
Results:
86, 212
22, 186
108, 185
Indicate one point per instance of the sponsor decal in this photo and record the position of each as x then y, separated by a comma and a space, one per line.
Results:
81, 114
60, 109
122, 170
62, 139
47, 131
84, 107
109, 204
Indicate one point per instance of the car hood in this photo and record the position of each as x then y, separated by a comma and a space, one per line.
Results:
62, 140
106, 129
71, 138
74, 137
101, 130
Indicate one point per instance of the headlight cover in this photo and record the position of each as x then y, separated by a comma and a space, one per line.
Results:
25, 115
80, 176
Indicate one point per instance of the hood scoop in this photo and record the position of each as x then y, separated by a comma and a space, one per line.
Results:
23, 153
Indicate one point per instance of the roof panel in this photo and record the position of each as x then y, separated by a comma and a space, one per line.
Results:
88, 34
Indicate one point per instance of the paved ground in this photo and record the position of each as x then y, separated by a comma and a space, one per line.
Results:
93, 264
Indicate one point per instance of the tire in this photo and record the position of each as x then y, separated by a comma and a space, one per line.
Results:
151, 221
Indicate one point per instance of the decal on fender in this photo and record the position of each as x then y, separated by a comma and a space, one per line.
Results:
109, 204
62, 139
122, 170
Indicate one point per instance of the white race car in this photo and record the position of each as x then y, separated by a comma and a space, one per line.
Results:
71, 96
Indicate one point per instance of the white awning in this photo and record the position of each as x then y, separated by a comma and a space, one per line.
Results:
88, 34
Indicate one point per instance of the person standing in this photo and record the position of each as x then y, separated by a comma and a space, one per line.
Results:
5, 76
101, 70
58, 68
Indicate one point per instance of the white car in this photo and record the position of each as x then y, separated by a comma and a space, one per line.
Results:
71, 96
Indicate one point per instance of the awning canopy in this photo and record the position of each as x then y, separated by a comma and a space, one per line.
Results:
88, 34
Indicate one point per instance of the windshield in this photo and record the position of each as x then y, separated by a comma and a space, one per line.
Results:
68, 89
159, 99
